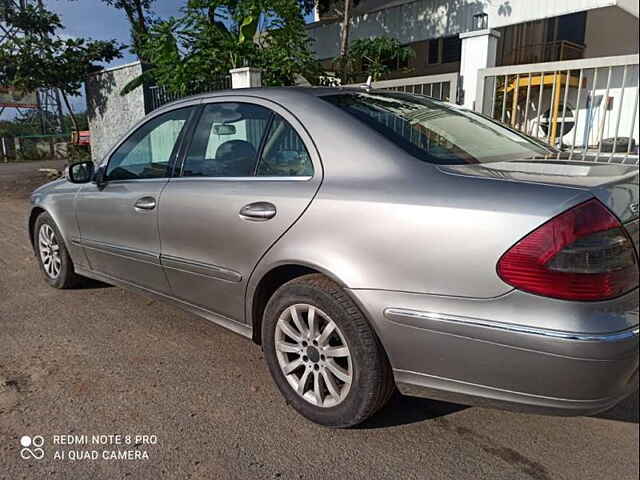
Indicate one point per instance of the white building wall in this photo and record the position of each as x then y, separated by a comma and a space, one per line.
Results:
409, 22
425, 19
511, 12
630, 6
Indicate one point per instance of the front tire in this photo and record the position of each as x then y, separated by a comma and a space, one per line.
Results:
322, 353
53, 257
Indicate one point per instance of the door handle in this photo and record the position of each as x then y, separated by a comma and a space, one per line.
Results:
258, 211
145, 203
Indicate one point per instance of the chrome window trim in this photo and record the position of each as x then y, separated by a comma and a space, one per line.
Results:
129, 180
245, 179
399, 315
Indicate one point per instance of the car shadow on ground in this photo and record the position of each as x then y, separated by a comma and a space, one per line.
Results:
91, 284
402, 410
626, 411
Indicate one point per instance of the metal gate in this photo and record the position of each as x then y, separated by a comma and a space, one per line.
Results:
588, 107
442, 87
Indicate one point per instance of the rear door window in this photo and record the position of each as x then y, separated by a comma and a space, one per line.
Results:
284, 153
227, 140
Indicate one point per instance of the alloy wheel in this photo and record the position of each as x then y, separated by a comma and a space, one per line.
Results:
313, 355
49, 251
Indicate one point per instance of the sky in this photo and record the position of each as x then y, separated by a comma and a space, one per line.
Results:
98, 21
95, 20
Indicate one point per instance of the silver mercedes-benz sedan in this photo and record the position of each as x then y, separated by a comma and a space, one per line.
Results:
367, 240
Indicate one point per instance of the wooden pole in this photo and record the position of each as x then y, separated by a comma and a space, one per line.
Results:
344, 37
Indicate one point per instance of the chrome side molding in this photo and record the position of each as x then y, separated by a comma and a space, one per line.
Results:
134, 254
199, 268
401, 315
167, 261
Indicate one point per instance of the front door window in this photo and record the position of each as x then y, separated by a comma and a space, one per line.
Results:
147, 152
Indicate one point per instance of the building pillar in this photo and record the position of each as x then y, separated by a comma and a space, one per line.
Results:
479, 50
246, 77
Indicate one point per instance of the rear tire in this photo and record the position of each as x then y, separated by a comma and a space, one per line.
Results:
340, 373
53, 257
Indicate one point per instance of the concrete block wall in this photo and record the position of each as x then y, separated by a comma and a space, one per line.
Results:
110, 114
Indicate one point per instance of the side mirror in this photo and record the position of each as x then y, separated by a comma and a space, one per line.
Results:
81, 172
99, 178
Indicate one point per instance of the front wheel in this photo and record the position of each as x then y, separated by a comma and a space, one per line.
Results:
323, 355
53, 258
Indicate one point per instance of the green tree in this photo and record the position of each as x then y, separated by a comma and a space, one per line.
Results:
27, 122
192, 52
343, 10
39, 58
138, 14
379, 56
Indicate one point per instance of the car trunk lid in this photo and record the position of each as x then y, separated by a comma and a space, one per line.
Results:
615, 185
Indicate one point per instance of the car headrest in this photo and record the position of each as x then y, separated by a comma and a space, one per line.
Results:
239, 151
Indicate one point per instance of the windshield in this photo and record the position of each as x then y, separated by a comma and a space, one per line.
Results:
437, 132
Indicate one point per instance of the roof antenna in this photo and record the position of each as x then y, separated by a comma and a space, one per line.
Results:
367, 84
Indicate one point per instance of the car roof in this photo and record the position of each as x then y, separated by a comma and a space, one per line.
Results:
268, 93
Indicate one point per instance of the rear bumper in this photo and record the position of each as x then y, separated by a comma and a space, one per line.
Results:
420, 385
501, 353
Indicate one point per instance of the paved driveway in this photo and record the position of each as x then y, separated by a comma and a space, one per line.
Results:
102, 361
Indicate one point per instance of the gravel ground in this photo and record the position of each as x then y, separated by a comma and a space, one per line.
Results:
100, 361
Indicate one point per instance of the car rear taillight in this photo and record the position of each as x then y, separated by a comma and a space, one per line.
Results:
582, 254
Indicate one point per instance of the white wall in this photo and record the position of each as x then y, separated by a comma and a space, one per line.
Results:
409, 22
110, 114
425, 19
510, 12
630, 6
